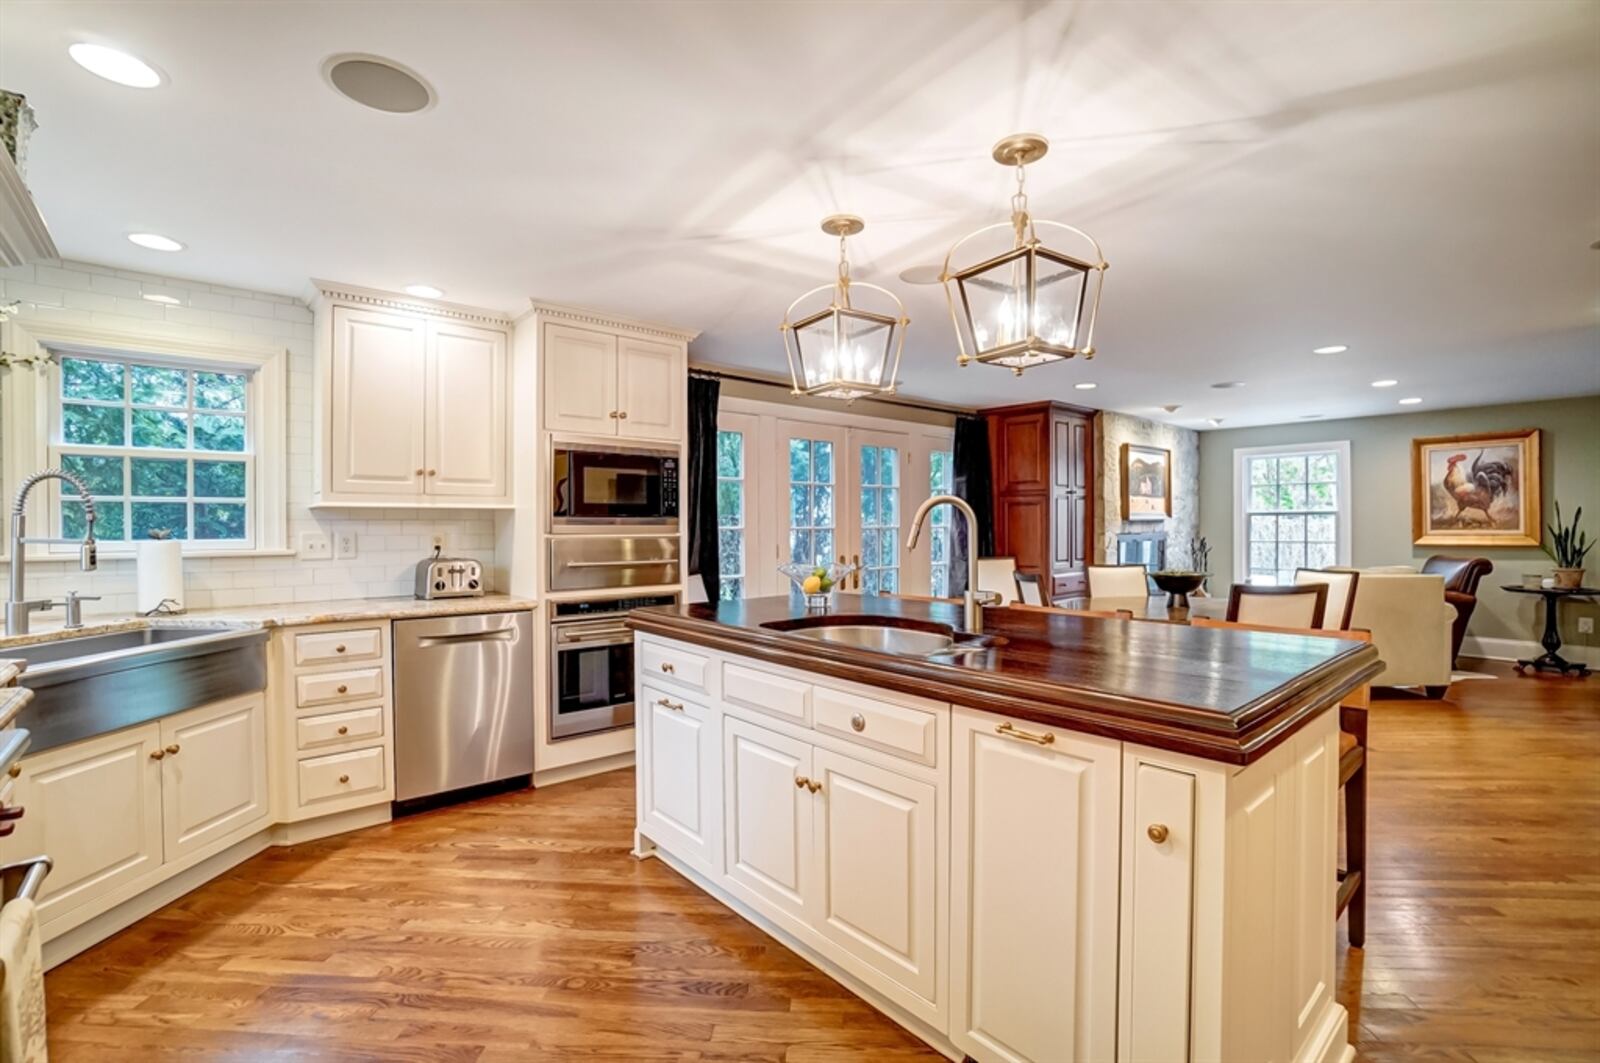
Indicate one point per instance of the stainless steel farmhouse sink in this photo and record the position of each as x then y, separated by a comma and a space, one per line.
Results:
900, 637
93, 684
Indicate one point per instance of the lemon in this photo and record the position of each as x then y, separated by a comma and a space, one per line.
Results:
812, 585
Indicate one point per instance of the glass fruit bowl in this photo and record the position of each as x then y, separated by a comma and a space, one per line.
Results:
816, 584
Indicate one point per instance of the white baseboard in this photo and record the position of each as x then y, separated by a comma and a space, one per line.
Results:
570, 772
1519, 649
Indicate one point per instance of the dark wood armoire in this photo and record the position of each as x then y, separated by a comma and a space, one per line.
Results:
1043, 464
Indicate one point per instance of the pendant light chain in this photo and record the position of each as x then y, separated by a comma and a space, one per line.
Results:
1020, 218
844, 274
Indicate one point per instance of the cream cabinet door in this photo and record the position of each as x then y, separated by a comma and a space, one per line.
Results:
580, 381
95, 808
768, 810
214, 773
877, 889
467, 393
1033, 891
678, 776
376, 406
652, 390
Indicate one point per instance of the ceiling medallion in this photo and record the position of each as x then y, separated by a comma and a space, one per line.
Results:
840, 351
1030, 304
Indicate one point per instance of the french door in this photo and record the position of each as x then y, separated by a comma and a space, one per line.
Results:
879, 464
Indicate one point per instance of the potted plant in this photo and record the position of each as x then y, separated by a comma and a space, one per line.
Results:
1567, 547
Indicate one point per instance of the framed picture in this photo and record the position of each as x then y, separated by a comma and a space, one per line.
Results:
1146, 482
1476, 490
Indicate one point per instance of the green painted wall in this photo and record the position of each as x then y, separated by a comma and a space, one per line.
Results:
1380, 451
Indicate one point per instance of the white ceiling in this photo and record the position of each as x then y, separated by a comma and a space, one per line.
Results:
1418, 181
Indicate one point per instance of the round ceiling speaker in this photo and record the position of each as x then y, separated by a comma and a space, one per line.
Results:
379, 83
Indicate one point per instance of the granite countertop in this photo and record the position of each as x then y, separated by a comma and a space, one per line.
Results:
1222, 694
284, 614
12, 701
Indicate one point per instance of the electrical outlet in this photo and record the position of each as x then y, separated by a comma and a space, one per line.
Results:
1586, 625
315, 546
438, 540
344, 545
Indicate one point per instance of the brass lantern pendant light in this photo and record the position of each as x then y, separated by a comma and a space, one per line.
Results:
842, 351
1031, 304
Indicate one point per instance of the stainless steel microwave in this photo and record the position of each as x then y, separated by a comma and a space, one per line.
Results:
596, 484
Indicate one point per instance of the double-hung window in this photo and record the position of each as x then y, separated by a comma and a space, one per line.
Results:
164, 447
1291, 510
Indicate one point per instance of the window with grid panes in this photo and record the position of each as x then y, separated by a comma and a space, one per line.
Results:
880, 519
731, 522
159, 447
941, 481
1291, 514
812, 479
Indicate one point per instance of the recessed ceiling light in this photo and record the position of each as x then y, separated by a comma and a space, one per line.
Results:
164, 300
1224, 385
1214, 422
379, 83
1412, 401
1086, 386
1173, 407
424, 291
1384, 383
1332, 348
113, 65
155, 241
922, 274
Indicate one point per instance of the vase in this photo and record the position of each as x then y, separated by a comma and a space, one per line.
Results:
1569, 578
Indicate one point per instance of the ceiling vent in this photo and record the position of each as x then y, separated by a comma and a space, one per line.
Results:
379, 83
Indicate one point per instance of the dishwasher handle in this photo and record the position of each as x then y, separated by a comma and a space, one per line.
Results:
502, 635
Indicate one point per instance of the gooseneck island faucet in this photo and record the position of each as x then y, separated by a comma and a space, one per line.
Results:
973, 601
18, 607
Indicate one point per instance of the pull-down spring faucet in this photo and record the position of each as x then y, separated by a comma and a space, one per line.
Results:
18, 606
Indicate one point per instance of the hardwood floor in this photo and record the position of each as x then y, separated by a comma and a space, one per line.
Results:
518, 928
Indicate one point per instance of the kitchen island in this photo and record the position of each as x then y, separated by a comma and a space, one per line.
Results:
1062, 838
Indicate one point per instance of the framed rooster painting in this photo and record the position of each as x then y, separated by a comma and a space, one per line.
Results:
1476, 490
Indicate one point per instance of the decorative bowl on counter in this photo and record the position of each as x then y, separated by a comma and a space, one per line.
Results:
1179, 585
816, 583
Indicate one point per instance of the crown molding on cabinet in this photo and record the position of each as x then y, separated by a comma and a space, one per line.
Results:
582, 316
378, 299
23, 234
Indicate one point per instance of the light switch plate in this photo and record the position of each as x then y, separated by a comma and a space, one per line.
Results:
344, 545
315, 546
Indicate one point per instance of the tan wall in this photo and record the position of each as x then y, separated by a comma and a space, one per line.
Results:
1380, 452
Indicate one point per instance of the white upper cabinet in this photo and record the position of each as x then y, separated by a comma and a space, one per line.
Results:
652, 389
601, 383
412, 405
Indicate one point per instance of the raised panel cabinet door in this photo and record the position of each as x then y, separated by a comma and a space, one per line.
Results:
1033, 891
95, 808
767, 810
580, 381
1082, 454
1024, 451
466, 411
652, 392
1063, 533
877, 890
1157, 913
678, 776
1024, 531
214, 773
377, 406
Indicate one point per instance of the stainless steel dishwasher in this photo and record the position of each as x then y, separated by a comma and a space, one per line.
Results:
463, 707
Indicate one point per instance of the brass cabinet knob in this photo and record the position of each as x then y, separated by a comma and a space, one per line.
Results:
156, 754
801, 782
813, 785
858, 723
15, 770
1158, 832
612, 415
173, 749
344, 778
343, 689
419, 472
344, 730
339, 648
669, 669
622, 415
433, 472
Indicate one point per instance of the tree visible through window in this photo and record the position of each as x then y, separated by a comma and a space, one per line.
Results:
731, 525
158, 447
941, 481
1291, 514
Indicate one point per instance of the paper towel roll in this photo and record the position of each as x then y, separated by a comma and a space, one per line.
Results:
160, 569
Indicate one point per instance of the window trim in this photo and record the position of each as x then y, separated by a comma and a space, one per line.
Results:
1241, 496
28, 401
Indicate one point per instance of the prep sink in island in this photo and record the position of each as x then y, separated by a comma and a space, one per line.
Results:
1066, 838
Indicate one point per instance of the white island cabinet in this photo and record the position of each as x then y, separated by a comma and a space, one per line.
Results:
1004, 889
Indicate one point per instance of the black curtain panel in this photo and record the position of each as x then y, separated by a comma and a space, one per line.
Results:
701, 497
974, 484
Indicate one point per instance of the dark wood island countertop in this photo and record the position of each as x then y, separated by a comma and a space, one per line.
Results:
1222, 694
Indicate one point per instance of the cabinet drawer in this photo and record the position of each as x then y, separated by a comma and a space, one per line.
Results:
896, 729
323, 647
669, 662
355, 685
340, 775
332, 727
785, 698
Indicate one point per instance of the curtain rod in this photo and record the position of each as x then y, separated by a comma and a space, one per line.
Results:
751, 376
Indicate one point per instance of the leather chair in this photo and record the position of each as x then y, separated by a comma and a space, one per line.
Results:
1461, 576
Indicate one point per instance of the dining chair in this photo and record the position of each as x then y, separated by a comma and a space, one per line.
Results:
995, 574
1341, 593
1352, 888
1030, 588
1296, 607
1118, 581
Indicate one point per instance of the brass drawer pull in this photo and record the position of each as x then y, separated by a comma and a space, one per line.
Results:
1011, 731
1158, 832
344, 778
858, 723
343, 689
344, 730
667, 668
173, 749
675, 706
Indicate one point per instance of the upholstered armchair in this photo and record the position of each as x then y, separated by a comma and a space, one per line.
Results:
1461, 576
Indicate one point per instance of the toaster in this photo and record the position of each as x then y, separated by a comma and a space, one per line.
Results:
449, 577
